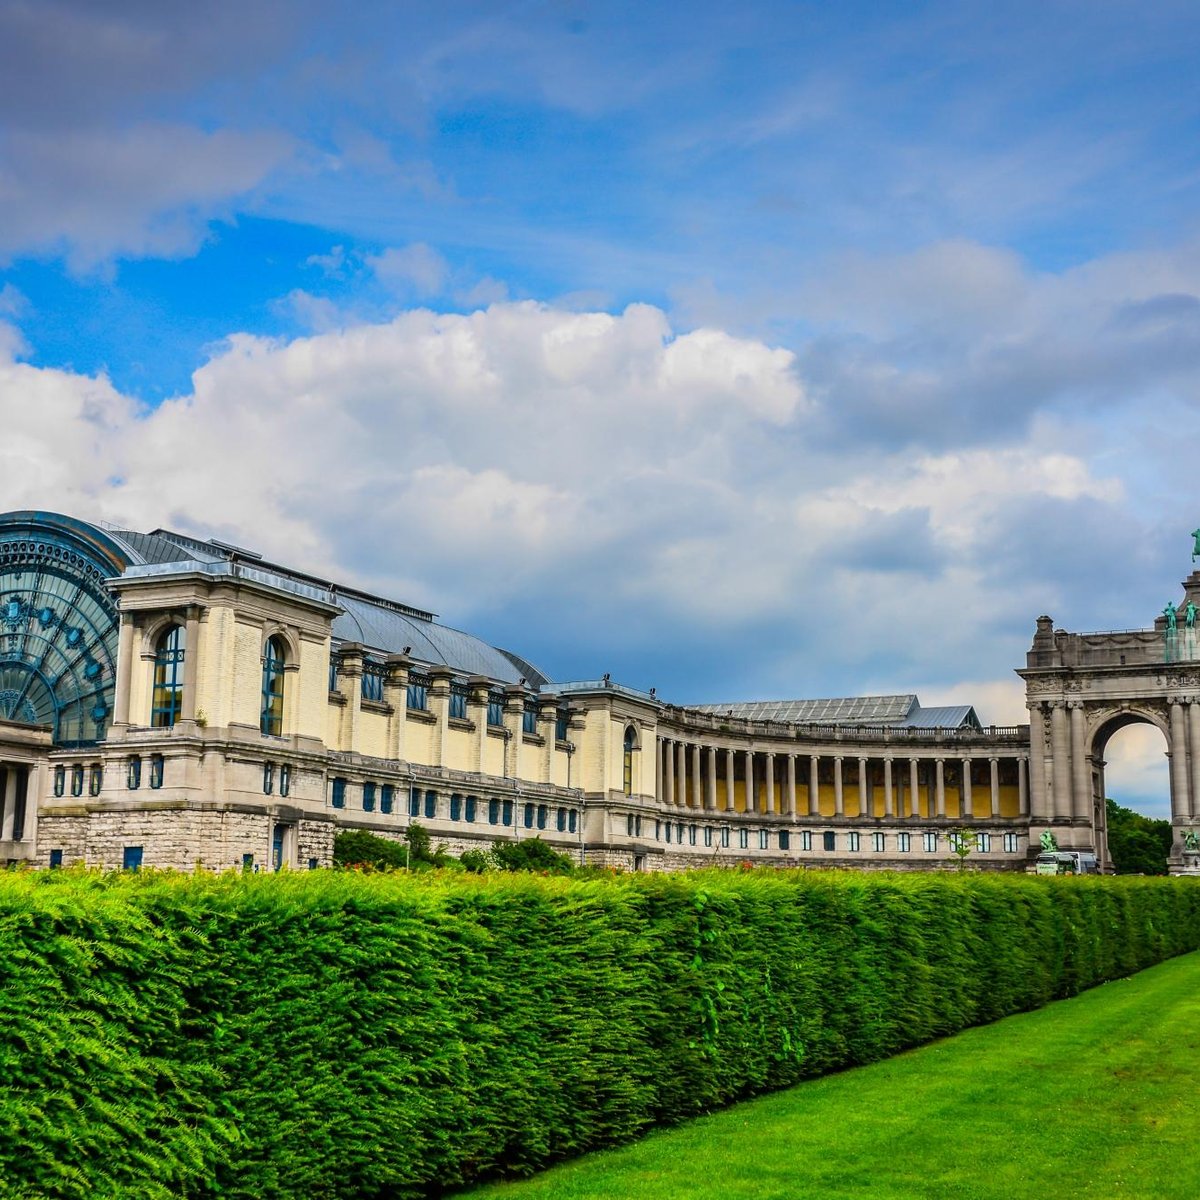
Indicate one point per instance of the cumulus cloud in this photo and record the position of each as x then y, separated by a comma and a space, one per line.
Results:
601, 465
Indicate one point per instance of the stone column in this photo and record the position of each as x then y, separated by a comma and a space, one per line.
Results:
681, 794
660, 779
697, 779
994, 767
350, 670
1060, 761
814, 785
965, 804
1179, 775
124, 680
1040, 803
940, 767
1022, 791
191, 663
839, 806
864, 791
1194, 756
710, 790
1081, 775
669, 772
751, 792
914, 786
395, 693
478, 697
8, 802
730, 806
889, 797
769, 784
790, 795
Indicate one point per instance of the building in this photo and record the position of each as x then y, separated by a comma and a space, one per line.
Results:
175, 702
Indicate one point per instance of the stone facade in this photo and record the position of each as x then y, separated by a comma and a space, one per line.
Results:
195, 768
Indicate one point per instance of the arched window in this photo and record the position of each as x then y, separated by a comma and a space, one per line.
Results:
274, 659
630, 747
167, 701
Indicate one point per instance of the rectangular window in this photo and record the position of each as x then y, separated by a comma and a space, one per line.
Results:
527, 816
507, 812
268, 778
763, 838
430, 805
77, 780
456, 807
156, 770
529, 720
806, 839
725, 836
55, 858
285, 779
333, 673
472, 803
668, 832
387, 798
312, 864
134, 778
691, 834
930, 842
458, 701
829, 840
983, 842
418, 692
785, 841
372, 684
904, 842
629, 824
1010, 843
572, 821
60, 780
855, 841
743, 839
414, 802
247, 862
493, 812
131, 859
541, 818
495, 709
877, 842
562, 723
337, 794
708, 835
560, 820
96, 779
368, 797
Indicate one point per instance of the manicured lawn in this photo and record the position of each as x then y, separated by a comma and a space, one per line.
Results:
1094, 1096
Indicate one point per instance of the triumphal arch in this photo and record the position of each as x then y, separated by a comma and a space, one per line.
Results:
1081, 688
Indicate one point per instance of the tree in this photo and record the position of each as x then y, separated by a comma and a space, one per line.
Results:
963, 842
1138, 845
358, 848
532, 854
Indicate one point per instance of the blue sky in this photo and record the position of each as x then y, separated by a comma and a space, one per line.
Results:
794, 350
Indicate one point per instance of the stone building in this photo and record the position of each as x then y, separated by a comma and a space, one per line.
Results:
176, 702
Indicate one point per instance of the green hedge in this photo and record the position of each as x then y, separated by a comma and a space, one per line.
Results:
339, 1035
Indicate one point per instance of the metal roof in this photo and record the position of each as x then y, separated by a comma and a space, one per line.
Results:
901, 711
849, 710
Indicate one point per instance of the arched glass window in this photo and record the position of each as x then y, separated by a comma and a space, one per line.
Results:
168, 678
630, 747
274, 659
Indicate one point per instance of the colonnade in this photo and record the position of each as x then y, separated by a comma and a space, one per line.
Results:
14, 802
785, 784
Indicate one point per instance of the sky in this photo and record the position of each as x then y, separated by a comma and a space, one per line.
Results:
741, 351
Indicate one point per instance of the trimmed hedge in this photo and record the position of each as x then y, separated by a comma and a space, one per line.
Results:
338, 1035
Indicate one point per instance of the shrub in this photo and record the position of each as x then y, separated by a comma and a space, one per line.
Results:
336, 1034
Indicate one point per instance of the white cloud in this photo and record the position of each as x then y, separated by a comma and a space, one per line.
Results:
416, 266
146, 190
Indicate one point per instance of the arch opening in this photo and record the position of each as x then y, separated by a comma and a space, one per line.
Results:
1130, 759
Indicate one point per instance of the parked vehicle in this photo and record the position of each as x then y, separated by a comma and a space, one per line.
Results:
1066, 862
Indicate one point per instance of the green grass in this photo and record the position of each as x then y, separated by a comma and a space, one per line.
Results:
1097, 1096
